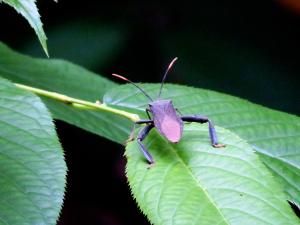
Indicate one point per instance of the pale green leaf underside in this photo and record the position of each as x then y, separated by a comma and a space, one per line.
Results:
32, 166
275, 134
28, 9
194, 183
66, 78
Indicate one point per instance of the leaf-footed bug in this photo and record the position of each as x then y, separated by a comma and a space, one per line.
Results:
166, 119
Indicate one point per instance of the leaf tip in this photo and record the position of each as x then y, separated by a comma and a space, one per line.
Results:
43, 41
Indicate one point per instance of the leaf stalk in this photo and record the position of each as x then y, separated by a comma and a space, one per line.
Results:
78, 103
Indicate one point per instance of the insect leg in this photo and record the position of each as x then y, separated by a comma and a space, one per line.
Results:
141, 136
143, 121
212, 130
148, 113
131, 136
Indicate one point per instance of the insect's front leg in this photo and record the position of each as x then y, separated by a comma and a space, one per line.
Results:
148, 113
131, 136
212, 130
144, 121
141, 136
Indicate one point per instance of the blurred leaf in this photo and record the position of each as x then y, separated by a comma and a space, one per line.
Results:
294, 5
90, 44
32, 167
276, 135
52, 75
66, 78
29, 10
194, 183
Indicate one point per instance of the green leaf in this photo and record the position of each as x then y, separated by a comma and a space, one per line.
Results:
32, 167
194, 183
28, 9
66, 78
275, 135
52, 75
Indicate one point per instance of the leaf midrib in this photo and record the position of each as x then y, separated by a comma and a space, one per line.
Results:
197, 181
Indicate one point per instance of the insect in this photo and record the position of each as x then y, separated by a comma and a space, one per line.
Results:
167, 119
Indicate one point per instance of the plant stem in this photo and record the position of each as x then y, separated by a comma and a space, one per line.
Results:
79, 103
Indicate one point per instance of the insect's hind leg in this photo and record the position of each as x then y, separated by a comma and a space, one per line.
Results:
212, 130
141, 136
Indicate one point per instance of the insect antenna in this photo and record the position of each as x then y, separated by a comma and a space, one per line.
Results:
165, 75
124, 78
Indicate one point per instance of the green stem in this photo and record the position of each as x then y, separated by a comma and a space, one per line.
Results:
79, 103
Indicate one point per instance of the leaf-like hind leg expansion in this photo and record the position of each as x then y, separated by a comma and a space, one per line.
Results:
212, 130
141, 136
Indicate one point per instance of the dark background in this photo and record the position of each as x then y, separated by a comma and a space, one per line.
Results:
244, 48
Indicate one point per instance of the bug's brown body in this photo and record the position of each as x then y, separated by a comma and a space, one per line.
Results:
166, 120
